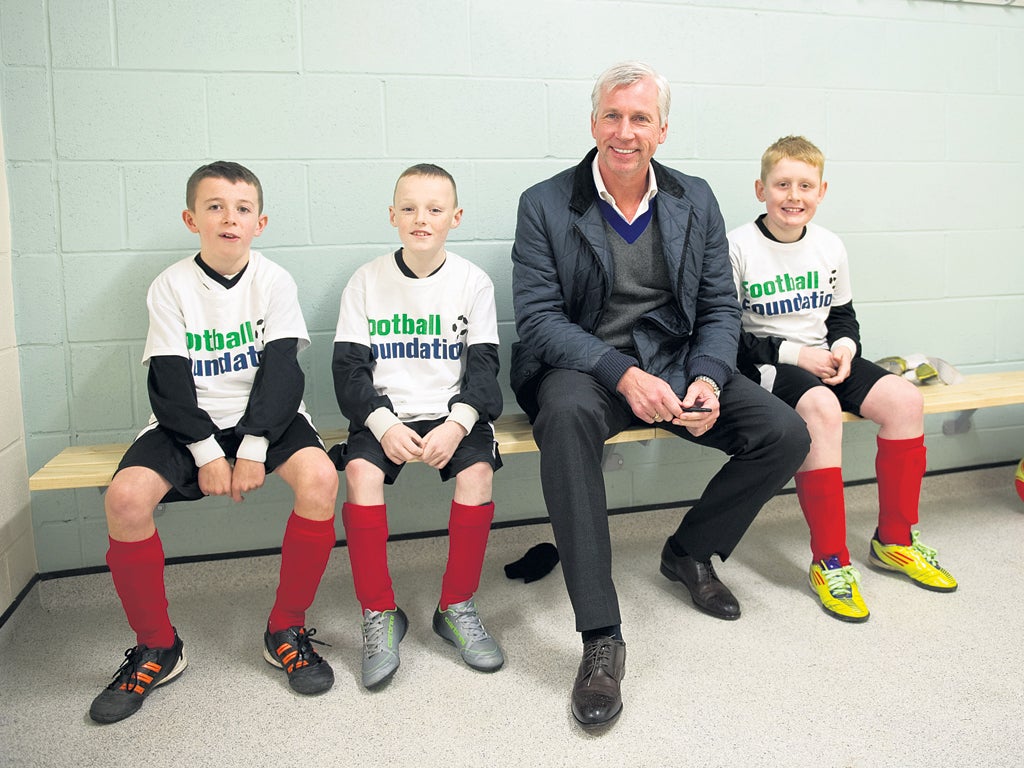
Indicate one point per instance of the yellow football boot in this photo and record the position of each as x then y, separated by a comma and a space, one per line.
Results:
836, 587
916, 561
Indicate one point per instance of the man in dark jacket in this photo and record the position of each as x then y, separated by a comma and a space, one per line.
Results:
626, 312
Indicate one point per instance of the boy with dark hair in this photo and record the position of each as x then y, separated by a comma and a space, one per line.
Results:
801, 341
225, 386
415, 371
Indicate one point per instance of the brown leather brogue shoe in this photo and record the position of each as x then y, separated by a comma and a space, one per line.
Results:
708, 593
596, 698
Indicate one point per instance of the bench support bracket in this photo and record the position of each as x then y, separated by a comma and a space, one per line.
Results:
960, 425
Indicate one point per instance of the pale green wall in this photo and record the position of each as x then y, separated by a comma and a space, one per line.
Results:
109, 104
17, 549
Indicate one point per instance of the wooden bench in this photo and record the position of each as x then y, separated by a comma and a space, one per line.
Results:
92, 466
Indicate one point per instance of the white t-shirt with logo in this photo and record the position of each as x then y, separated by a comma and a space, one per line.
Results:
787, 289
222, 331
418, 329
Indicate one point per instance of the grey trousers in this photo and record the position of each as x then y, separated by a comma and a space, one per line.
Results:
765, 439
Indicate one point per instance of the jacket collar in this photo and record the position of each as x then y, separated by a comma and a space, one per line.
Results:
584, 193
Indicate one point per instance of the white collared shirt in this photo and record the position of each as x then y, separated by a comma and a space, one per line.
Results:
645, 202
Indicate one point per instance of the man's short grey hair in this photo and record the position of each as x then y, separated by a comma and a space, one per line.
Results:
627, 73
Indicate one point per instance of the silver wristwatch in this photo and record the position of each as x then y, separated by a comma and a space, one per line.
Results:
711, 383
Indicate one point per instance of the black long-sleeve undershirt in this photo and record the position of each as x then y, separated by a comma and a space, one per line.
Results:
172, 396
761, 350
842, 322
273, 401
276, 391
480, 387
353, 364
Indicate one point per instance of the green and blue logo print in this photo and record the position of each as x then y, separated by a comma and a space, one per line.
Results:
233, 350
406, 336
785, 293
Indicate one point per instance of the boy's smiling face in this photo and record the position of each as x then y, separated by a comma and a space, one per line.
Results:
791, 193
226, 218
424, 212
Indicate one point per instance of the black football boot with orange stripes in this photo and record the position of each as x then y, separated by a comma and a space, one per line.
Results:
292, 650
142, 670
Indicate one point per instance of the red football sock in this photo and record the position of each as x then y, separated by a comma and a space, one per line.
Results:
366, 531
468, 528
821, 498
305, 550
899, 466
137, 568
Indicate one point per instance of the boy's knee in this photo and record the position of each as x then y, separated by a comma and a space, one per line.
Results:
893, 400
325, 476
361, 470
476, 474
820, 408
361, 474
909, 397
129, 506
319, 483
475, 483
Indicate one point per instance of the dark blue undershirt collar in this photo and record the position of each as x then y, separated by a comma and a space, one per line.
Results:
628, 232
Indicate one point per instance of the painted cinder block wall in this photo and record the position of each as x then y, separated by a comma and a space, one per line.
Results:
108, 105
17, 550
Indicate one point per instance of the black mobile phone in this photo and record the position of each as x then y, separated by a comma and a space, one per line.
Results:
696, 409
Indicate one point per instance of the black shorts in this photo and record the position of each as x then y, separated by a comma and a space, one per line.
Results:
479, 445
159, 451
791, 383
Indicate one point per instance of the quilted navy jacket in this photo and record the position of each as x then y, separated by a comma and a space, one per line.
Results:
562, 279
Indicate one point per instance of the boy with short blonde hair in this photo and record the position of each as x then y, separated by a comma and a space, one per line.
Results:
792, 148
415, 371
801, 341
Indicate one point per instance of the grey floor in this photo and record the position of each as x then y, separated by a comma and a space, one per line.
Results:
930, 680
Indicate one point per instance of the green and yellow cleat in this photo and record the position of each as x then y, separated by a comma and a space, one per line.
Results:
916, 561
836, 586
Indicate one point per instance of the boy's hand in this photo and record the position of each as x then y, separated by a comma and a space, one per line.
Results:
215, 477
831, 368
401, 444
248, 476
818, 361
440, 443
841, 358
